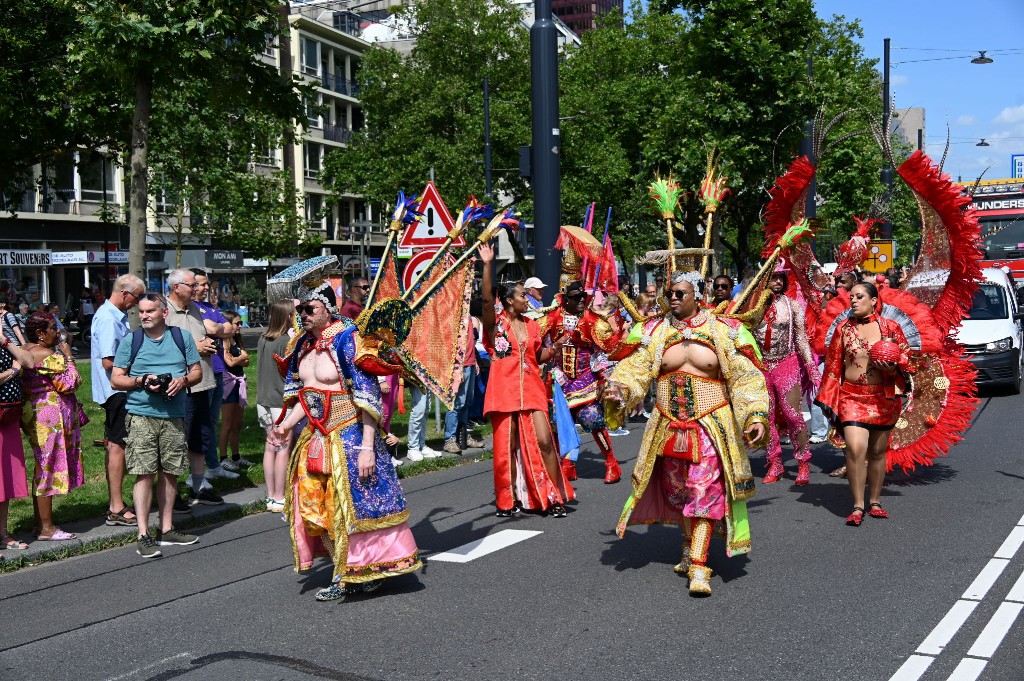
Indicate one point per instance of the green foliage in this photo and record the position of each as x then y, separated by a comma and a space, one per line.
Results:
426, 109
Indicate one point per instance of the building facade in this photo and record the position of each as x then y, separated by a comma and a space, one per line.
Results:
582, 15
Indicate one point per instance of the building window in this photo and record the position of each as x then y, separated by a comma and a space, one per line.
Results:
90, 171
314, 210
313, 110
313, 154
269, 45
310, 57
264, 154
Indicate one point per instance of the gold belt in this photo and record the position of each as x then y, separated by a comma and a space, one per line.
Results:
684, 396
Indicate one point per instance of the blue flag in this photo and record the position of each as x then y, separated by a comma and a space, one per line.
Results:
568, 438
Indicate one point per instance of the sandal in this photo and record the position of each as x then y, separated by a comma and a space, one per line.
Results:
855, 518
504, 513
121, 518
558, 511
11, 544
58, 535
875, 510
838, 473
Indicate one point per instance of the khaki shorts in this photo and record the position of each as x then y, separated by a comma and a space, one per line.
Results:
155, 444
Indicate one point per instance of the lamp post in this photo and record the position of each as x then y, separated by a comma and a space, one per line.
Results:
547, 173
103, 152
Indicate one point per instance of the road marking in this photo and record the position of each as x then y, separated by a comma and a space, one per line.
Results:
1021, 521
996, 629
1017, 592
1012, 543
946, 629
913, 668
985, 579
482, 547
968, 670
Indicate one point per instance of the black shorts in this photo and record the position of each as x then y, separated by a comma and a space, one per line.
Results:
198, 422
113, 424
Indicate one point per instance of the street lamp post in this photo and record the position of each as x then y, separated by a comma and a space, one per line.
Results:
547, 174
103, 152
885, 229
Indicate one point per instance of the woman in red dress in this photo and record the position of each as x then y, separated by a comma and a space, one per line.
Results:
860, 393
527, 473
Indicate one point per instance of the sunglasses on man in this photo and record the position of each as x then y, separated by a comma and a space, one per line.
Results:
365, 287
677, 295
723, 287
307, 309
575, 296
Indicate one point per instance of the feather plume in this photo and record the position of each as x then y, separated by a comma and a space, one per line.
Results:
666, 193
786, 204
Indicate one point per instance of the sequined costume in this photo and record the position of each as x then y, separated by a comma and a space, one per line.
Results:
692, 468
782, 337
515, 391
362, 525
572, 367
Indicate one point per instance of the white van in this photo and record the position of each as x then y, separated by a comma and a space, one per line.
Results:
992, 332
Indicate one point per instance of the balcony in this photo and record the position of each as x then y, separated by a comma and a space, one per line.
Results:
337, 133
339, 85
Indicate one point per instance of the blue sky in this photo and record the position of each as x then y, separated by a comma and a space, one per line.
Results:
975, 100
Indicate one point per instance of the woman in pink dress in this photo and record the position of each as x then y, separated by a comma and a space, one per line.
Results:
52, 421
12, 451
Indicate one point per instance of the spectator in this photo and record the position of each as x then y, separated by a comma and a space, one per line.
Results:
270, 398
217, 329
358, 290
483, 361
534, 293
53, 423
721, 289
12, 450
183, 313
236, 397
456, 420
109, 328
86, 309
23, 314
418, 417
34, 303
155, 375
13, 329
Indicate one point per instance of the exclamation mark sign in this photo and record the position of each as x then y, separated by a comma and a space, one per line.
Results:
430, 222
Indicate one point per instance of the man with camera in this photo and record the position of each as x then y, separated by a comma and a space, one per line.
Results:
155, 366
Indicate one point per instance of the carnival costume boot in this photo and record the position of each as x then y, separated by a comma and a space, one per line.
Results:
699, 572
612, 471
775, 469
568, 469
803, 476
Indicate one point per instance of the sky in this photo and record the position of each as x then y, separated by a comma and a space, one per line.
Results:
976, 101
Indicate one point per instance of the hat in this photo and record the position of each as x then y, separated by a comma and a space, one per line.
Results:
533, 282
325, 294
574, 287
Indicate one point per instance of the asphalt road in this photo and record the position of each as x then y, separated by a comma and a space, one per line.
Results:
814, 600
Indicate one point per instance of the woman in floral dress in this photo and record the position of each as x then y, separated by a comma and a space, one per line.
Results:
52, 421
527, 473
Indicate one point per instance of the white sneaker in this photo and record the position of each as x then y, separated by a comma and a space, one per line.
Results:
646, 414
429, 453
243, 462
414, 455
219, 472
275, 506
817, 439
396, 462
229, 465
618, 431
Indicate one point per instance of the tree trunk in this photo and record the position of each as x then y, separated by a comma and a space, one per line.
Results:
138, 200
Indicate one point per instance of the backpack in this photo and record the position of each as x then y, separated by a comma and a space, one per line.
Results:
137, 337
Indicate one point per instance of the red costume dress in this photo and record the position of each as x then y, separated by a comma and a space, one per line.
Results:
515, 391
571, 368
858, 403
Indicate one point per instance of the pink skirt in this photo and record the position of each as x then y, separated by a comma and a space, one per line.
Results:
13, 481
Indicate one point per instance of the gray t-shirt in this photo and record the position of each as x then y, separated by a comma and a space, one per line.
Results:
190, 320
269, 381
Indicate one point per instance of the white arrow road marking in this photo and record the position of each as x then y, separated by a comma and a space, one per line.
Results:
482, 547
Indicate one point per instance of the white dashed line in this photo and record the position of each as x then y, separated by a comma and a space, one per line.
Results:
968, 670
913, 668
996, 629
985, 579
946, 629
1012, 544
482, 547
1017, 592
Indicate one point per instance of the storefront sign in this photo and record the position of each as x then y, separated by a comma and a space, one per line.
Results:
115, 257
69, 257
223, 259
12, 258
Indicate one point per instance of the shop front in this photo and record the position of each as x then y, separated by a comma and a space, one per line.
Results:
24, 276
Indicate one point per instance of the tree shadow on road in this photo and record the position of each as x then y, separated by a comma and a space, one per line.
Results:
661, 545
924, 475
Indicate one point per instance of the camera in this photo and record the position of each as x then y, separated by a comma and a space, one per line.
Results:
160, 384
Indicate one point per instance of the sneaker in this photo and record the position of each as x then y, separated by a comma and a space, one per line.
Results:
146, 547
219, 472
396, 462
817, 439
429, 453
618, 432
474, 443
414, 455
243, 463
646, 414
451, 446
174, 538
205, 496
784, 440
181, 505
275, 506
229, 465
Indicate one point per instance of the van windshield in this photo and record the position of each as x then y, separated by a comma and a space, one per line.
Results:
989, 303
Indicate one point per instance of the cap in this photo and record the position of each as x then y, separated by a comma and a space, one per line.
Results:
574, 287
533, 282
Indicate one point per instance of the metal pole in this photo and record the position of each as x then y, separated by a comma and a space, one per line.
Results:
103, 217
488, 187
885, 229
546, 180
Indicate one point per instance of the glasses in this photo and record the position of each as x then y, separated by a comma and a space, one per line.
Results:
191, 286
365, 287
307, 309
133, 294
574, 296
677, 295
721, 286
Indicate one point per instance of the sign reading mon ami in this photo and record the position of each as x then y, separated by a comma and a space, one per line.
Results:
13, 258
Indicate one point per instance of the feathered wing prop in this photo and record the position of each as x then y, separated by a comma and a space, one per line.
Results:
854, 251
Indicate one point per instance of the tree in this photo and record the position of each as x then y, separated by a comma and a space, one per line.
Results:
149, 46
425, 110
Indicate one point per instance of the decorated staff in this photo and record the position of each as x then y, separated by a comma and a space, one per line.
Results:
473, 212
666, 193
406, 213
712, 192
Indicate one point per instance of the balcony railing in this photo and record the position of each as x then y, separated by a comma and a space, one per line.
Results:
337, 133
340, 85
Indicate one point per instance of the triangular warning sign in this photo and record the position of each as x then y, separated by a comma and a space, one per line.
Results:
433, 229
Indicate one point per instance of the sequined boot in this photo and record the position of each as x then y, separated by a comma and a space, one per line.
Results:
683, 567
700, 580
775, 471
568, 469
612, 472
803, 476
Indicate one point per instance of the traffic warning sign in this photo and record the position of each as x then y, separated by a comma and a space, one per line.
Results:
432, 230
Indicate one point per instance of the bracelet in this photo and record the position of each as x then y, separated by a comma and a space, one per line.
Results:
5, 342
365, 449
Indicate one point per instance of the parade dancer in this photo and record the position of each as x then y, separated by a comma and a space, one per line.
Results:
343, 498
787, 355
692, 468
571, 369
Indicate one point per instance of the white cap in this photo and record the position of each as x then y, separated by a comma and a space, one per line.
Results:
533, 282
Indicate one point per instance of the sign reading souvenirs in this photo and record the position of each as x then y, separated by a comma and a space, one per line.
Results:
14, 258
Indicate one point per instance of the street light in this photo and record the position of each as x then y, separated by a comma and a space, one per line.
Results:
981, 58
104, 152
982, 143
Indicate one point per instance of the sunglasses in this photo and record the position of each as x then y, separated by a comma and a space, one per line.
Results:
722, 286
307, 309
677, 295
365, 287
574, 296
